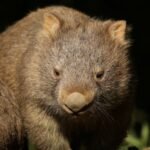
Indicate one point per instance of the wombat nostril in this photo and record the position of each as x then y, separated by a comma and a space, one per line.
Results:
76, 101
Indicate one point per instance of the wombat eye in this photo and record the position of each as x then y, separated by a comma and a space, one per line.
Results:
56, 72
99, 74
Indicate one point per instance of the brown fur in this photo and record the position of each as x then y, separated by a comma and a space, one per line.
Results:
79, 47
10, 121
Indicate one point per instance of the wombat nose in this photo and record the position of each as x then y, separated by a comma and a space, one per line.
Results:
75, 102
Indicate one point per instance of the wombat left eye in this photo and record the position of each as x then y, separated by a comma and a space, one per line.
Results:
99, 74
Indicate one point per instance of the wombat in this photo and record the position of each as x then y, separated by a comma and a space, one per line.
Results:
67, 80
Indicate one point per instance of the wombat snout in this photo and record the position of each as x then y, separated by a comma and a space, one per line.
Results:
76, 102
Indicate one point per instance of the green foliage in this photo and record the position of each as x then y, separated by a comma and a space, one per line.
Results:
31, 146
141, 139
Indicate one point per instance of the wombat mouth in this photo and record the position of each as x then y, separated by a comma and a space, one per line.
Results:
77, 113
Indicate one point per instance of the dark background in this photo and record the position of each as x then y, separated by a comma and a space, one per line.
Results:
136, 12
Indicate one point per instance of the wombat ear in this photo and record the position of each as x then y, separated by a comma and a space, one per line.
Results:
51, 24
117, 30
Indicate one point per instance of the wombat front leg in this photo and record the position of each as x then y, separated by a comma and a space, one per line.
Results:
10, 121
43, 130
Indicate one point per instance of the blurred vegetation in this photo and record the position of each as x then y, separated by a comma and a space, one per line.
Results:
138, 136
139, 133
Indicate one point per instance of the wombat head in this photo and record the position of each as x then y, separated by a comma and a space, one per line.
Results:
79, 64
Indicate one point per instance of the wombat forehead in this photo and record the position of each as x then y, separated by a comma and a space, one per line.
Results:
80, 45
79, 52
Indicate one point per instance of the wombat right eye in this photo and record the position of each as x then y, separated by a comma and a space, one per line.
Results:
56, 72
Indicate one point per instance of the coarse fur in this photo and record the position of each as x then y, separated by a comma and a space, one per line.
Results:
78, 46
